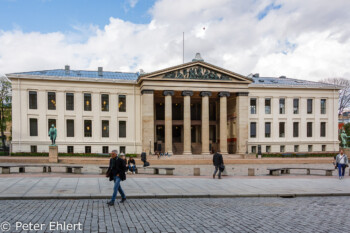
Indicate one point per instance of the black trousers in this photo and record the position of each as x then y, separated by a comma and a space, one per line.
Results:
216, 170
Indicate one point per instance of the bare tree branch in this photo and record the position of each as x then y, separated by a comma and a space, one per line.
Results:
344, 93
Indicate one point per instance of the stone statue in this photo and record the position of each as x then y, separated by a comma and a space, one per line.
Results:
179, 75
53, 135
344, 138
191, 74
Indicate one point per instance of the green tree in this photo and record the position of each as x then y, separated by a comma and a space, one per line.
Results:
5, 107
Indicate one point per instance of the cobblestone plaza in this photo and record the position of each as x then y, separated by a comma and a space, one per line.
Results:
303, 214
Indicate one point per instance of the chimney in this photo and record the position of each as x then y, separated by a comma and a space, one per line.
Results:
100, 71
66, 68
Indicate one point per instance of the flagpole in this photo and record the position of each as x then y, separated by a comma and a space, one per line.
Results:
183, 47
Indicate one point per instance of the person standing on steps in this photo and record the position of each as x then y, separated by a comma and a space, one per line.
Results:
217, 162
341, 162
116, 172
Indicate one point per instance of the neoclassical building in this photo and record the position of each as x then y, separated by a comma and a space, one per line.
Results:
192, 108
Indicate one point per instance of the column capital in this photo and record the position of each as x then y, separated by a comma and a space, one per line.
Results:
242, 93
187, 93
147, 91
167, 92
224, 94
205, 93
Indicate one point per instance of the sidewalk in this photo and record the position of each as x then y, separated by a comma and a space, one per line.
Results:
82, 187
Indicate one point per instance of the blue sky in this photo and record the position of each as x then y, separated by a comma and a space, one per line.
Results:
64, 15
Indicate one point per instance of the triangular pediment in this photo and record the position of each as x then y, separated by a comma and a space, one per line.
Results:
196, 71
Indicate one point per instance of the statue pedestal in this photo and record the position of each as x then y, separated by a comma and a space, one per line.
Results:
53, 154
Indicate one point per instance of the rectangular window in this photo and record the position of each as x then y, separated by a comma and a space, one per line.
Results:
105, 102
309, 148
70, 128
105, 129
323, 106
87, 102
254, 149
122, 149
33, 100
282, 149
51, 122
122, 129
323, 129
87, 149
122, 103
309, 106
267, 106
282, 129
87, 128
267, 129
33, 149
309, 130
70, 149
253, 106
253, 129
70, 101
296, 148
323, 147
268, 149
51, 98
295, 106
105, 149
295, 129
282, 106
33, 127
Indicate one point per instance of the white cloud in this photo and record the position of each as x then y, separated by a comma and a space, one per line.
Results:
302, 39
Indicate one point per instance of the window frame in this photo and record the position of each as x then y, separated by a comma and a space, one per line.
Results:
30, 104
87, 107
86, 133
71, 106
119, 129
50, 104
122, 107
269, 108
105, 108
253, 108
67, 130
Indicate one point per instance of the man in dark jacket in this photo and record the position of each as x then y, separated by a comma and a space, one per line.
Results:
117, 168
217, 162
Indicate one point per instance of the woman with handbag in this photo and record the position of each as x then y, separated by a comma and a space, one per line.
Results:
341, 163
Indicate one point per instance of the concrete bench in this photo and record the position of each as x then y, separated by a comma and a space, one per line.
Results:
279, 171
104, 170
21, 168
168, 170
69, 168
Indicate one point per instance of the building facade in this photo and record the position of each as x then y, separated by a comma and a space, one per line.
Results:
192, 108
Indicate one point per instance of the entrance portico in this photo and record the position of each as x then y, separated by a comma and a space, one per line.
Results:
196, 109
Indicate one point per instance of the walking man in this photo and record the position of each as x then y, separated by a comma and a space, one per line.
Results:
341, 162
117, 168
217, 162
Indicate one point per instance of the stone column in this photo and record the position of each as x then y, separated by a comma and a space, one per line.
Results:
187, 122
242, 122
147, 121
205, 122
168, 122
223, 121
